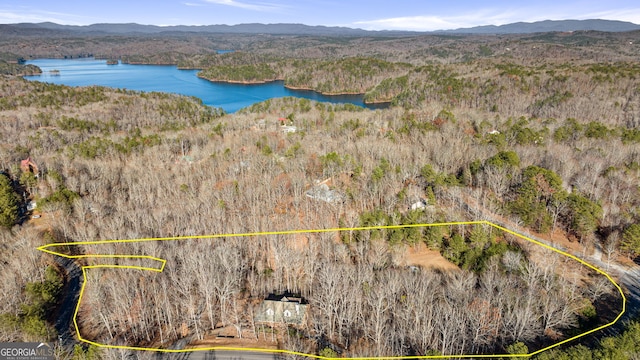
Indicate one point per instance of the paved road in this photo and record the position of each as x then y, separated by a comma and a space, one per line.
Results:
630, 280
64, 321
219, 355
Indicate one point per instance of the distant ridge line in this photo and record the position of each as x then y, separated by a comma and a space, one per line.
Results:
319, 30
551, 26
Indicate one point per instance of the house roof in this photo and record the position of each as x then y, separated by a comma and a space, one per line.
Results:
26, 163
286, 297
322, 192
283, 308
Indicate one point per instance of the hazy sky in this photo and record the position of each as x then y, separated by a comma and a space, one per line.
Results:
365, 14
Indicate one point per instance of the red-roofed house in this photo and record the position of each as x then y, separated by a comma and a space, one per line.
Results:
27, 165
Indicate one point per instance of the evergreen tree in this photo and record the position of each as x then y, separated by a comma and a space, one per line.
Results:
585, 214
9, 203
631, 240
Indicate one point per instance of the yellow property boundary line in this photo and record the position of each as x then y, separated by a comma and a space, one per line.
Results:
47, 249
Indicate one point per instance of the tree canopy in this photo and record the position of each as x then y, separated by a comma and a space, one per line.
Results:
9, 202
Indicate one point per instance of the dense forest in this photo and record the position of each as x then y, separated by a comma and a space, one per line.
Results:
537, 133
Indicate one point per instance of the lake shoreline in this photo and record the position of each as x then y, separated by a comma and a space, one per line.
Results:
266, 81
228, 95
378, 102
241, 82
325, 93
290, 87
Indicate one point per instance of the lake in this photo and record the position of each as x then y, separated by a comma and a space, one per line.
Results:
166, 78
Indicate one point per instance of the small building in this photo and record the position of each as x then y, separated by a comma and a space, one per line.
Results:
323, 193
284, 309
27, 165
419, 205
288, 129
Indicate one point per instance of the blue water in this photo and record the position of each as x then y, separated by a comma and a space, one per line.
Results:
230, 97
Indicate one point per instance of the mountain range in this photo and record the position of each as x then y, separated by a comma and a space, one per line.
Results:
551, 26
300, 29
